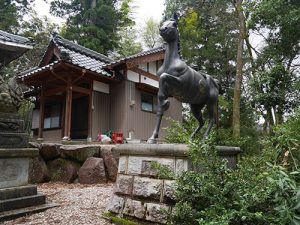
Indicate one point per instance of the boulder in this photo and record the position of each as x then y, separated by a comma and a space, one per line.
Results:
92, 171
110, 162
38, 171
62, 170
80, 152
49, 151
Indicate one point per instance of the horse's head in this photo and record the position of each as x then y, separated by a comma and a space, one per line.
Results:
169, 31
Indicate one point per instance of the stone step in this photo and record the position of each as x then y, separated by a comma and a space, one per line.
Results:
25, 211
17, 192
22, 202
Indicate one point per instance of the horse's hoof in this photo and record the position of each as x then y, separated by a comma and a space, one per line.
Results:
151, 141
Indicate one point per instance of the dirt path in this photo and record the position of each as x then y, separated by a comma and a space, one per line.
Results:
79, 205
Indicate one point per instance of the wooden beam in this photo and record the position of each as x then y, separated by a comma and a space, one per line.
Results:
56, 75
42, 114
83, 72
54, 91
82, 90
144, 73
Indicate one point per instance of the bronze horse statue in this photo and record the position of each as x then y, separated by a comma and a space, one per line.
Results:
177, 79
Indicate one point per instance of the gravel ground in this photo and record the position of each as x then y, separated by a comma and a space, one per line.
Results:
79, 205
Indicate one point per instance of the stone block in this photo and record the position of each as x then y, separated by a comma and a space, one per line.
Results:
155, 213
13, 140
123, 164
62, 170
116, 204
17, 192
92, 171
110, 162
135, 164
80, 152
181, 166
14, 172
38, 171
11, 124
123, 185
134, 208
169, 191
147, 187
49, 151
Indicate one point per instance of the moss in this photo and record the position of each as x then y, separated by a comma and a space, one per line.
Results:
118, 220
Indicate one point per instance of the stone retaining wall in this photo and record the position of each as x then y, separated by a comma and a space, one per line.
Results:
92, 163
139, 193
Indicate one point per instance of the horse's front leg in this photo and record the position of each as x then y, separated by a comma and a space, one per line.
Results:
167, 83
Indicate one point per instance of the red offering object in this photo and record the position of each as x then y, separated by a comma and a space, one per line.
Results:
117, 137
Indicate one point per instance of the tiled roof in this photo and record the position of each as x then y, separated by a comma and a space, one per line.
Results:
80, 49
76, 55
36, 69
7, 37
144, 53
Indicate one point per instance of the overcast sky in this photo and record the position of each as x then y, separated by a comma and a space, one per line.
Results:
142, 10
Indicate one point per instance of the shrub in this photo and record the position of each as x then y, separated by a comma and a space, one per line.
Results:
256, 192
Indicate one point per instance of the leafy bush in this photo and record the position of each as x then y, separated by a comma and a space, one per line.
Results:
286, 142
255, 193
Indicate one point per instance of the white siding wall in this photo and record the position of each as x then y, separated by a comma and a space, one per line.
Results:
152, 67
133, 76
146, 80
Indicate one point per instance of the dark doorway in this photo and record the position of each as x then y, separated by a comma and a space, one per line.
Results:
79, 120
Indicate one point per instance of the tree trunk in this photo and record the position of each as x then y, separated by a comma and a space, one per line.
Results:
239, 70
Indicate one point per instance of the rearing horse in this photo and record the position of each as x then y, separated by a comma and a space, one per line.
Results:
178, 80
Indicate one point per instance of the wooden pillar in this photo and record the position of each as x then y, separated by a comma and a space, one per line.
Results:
68, 112
41, 114
90, 115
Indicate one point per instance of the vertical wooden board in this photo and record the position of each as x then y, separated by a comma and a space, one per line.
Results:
100, 114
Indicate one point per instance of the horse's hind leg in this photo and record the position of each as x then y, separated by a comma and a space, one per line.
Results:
212, 113
196, 111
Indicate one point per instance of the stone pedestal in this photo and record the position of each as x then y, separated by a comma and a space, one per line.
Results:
138, 192
17, 197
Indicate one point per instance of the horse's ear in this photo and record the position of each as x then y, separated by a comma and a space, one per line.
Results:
175, 17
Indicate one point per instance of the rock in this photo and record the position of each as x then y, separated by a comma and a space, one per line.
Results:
116, 204
38, 171
147, 187
92, 171
134, 208
110, 163
80, 152
49, 151
155, 213
63, 170
123, 185
169, 191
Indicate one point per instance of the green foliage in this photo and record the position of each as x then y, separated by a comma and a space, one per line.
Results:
150, 34
25, 113
255, 193
127, 45
162, 171
275, 85
93, 24
286, 141
117, 220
